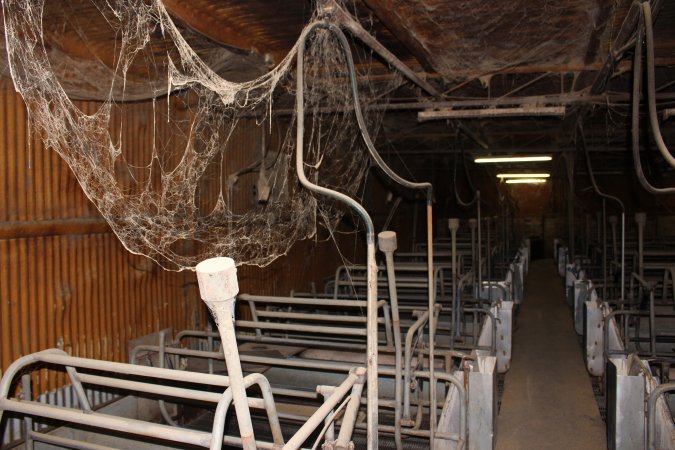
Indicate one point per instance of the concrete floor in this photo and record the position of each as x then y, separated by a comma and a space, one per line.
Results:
548, 400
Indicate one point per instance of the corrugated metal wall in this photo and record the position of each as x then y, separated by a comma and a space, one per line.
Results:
66, 280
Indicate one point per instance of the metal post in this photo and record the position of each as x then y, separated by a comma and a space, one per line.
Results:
387, 242
604, 249
218, 287
472, 226
613, 220
480, 265
641, 220
623, 256
488, 249
453, 224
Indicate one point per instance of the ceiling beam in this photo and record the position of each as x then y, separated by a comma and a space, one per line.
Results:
222, 30
385, 11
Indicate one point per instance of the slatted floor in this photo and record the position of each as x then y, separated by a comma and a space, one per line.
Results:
548, 400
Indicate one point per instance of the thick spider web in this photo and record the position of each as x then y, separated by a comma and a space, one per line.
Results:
176, 206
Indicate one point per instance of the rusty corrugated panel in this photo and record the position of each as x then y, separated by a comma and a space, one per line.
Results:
65, 279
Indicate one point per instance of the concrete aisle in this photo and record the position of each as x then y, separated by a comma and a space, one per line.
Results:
548, 400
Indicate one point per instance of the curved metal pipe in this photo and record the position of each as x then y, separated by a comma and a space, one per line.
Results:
371, 352
651, 411
635, 116
408, 184
609, 197
651, 88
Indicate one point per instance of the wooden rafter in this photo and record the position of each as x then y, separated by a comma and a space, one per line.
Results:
385, 11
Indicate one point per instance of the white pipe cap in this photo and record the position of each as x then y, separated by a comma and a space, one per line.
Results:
473, 223
453, 224
217, 279
386, 240
640, 218
613, 220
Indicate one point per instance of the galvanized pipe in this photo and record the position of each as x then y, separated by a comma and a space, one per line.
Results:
651, 412
218, 287
613, 220
267, 403
350, 416
372, 361
356, 375
387, 243
453, 224
472, 227
419, 323
480, 244
641, 220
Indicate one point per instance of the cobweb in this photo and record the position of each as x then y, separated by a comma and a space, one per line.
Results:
176, 206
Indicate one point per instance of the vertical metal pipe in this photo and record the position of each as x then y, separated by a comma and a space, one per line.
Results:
604, 249
623, 256
453, 224
641, 220
371, 324
388, 244
27, 393
472, 227
570, 210
651, 412
613, 220
349, 419
480, 244
218, 287
432, 320
488, 249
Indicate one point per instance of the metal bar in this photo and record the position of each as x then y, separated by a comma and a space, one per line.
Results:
387, 243
303, 301
350, 416
66, 442
120, 424
356, 375
443, 114
651, 412
304, 328
311, 316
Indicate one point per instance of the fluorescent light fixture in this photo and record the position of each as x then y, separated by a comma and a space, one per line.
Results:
510, 159
523, 175
526, 181
479, 113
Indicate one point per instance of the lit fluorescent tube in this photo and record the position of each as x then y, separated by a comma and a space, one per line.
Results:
526, 181
509, 159
523, 175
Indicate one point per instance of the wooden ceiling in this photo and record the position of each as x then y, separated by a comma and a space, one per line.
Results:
473, 52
